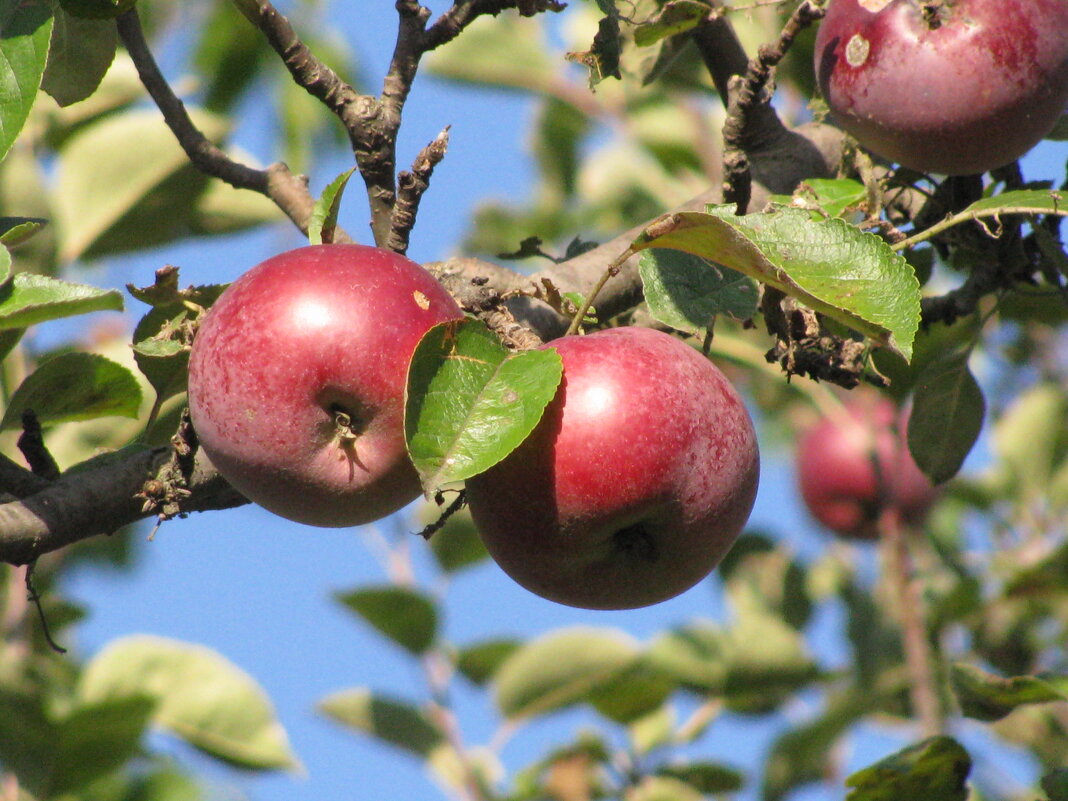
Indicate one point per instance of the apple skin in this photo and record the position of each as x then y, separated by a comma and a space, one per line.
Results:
968, 95
299, 337
853, 466
635, 483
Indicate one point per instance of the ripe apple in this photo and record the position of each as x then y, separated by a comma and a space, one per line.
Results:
854, 465
296, 381
946, 86
635, 483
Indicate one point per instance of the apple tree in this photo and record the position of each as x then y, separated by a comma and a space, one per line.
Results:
693, 174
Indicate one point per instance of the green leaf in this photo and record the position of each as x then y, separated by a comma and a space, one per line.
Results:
1031, 441
686, 291
849, 275
457, 545
560, 669
407, 617
935, 770
469, 403
95, 739
654, 730
389, 720
16, 230
506, 51
708, 777
9, 338
833, 196
323, 220
75, 386
1021, 201
80, 54
675, 16
200, 697
25, 28
107, 169
5, 265
987, 697
947, 416
160, 355
633, 693
32, 298
480, 662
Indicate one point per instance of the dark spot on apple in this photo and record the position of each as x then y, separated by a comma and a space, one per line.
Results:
636, 541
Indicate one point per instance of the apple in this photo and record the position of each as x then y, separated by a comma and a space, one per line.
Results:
854, 465
635, 483
945, 86
297, 375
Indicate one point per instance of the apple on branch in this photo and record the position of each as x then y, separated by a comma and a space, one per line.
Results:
946, 86
296, 381
635, 483
853, 465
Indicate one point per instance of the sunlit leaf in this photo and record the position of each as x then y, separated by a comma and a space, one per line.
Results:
389, 720
987, 697
323, 220
25, 29
936, 770
849, 275
673, 17
405, 616
469, 403
559, 669
74, 386
16, 230
200, 697
32, 298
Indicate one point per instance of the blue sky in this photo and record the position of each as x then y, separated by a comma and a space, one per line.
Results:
257, 588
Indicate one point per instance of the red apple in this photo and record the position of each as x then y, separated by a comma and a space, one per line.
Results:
946, 86
635, 483
855, 464
296, 381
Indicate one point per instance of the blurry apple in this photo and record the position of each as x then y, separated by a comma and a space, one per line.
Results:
296, 381
946, 86
855, 464
635, 483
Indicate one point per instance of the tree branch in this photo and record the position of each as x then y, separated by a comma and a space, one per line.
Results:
289, 192
410, 188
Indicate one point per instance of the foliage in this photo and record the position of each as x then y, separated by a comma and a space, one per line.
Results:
861, 260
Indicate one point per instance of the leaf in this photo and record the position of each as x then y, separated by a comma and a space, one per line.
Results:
161, 355
5, 265
653, 730
25, 28
934, 770
634, 693
480, 662
1021, 201
506, 51
405, 616
602, 59
457, 545
1031, 441
200, 697
1055, 785
560, 669
164, 291
833, 196
675, 16
31, 299
707, 777
75, 386
389, 720
469, 403
80, 53
987, 697
95, 739
947, 416
663, 788
108, 168
835, 269
686, 291
16, 230
323, 221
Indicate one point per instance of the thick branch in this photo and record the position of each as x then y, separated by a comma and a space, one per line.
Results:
410, 188
289, 192
100, 500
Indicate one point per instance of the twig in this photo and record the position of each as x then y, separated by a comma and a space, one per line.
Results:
35, 598
410, 189
32, 445
457, 503
749, 102
923, 690
289, 192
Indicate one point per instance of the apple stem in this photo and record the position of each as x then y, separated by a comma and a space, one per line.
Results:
923, 690
612, 269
